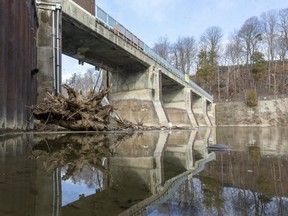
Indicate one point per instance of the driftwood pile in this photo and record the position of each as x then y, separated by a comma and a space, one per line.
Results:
81, 112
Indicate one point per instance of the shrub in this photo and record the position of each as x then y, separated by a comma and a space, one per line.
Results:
251, 100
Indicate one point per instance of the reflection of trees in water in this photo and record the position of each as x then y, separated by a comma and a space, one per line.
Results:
251, 180
90, 176
185, 201
212, 191
247, 202
81, 156
254, 153
209, 195
205, 197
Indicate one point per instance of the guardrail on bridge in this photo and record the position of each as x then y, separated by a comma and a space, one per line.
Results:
119, 29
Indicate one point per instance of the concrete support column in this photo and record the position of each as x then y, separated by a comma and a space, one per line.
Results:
199, 108
188, 105
204, 106
157, 98
136, 96
48, 43
211, 112
175, 104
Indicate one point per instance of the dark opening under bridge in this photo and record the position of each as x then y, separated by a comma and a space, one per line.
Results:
145, 87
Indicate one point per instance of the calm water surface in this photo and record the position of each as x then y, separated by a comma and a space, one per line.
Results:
149, 173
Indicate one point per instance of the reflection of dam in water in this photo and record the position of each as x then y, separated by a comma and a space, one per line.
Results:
135, 167
138, 166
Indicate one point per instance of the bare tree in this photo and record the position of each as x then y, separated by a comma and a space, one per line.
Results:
283, 29
269, 24
184, 53
210, 40
282, 47
233, 55
210, 43
85, 82
162, 48
249, 34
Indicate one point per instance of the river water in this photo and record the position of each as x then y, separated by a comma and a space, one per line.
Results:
145, 173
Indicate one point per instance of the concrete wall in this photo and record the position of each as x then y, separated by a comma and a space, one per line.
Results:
45, 53
132, 95
174, 102
88, 5
267, 113
199, 110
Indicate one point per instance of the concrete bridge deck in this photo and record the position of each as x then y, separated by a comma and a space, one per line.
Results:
154, 92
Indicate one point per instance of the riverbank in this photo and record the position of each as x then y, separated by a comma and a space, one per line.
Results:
266, 113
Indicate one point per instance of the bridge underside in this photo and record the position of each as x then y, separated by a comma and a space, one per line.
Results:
87, 46
142, 90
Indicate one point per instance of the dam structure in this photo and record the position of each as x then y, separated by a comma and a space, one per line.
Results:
146, 89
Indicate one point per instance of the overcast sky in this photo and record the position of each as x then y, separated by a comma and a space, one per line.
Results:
151, 19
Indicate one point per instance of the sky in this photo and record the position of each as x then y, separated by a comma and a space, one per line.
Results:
151, 19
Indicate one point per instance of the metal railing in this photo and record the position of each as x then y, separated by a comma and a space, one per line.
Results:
119, 29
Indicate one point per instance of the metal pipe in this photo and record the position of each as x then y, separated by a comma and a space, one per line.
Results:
58, 51
56, 192
53, 51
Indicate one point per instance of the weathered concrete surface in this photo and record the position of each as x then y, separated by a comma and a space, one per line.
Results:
137, 111
178, 106
199, 107
210, 110
88, 5
137, 99
267, 113
47, 46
